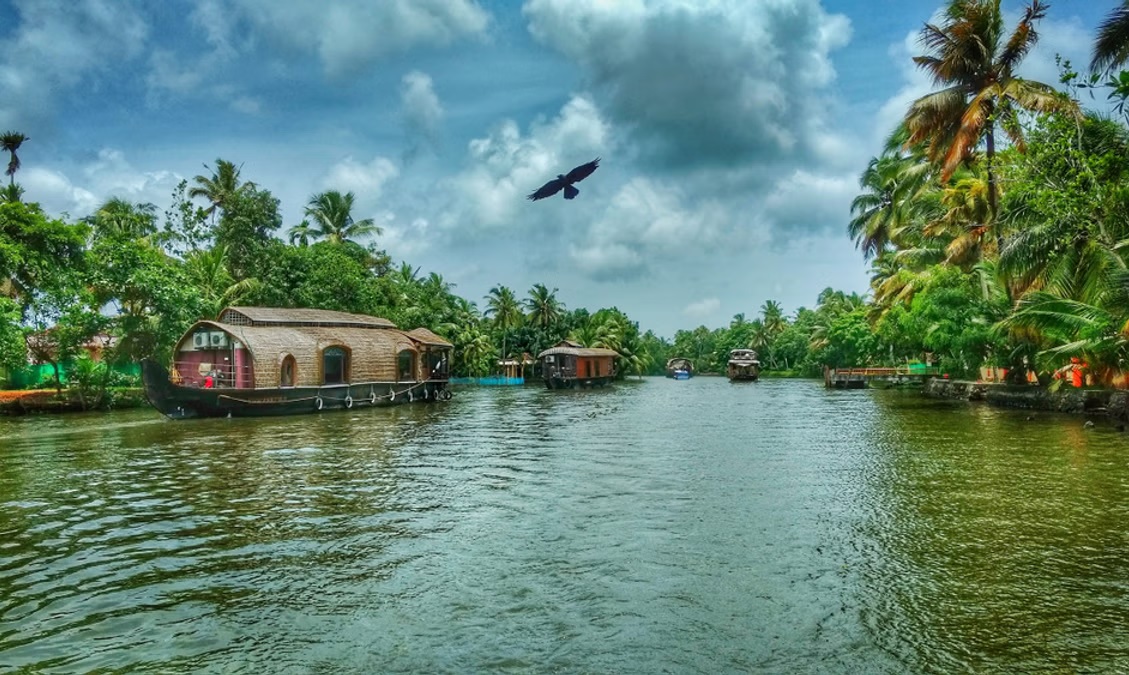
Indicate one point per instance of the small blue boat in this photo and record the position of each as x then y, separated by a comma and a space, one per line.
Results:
680, 368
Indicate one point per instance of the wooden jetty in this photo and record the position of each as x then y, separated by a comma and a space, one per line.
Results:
861, 377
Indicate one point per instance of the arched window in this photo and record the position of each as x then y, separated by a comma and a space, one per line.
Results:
406, 365
335, 366
288, 372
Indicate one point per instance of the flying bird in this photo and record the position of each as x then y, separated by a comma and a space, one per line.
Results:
565, 181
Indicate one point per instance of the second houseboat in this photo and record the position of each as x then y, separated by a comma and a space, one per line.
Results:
568, 365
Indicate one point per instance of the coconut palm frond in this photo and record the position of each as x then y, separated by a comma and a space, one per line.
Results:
1111, 49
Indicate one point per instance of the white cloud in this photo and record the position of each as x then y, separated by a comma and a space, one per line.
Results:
56, 44
56, 193
810, 202
608, 261
404, 242
246, 105
703, 308
490, 194
719, 82
646, 224
82, 189
347, 35
366, 181
421, 111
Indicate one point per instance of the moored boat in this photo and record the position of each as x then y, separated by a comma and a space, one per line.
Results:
568, 365
743, 366
680, 368
255, 361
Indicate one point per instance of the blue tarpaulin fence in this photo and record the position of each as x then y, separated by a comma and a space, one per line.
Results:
493, 381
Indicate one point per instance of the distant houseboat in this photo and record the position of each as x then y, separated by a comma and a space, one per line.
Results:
271, 361
743, 365
680, 368
570, 366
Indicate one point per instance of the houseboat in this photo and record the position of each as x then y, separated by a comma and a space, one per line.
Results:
571, 366
271, 361
744, 366
680, 368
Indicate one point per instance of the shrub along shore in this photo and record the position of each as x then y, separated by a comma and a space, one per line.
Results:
33, 401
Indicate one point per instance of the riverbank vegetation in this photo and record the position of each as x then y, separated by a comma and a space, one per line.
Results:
995, 222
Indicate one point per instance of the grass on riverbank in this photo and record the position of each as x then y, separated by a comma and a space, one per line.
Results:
27, 401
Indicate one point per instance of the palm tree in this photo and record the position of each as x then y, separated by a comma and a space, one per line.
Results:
544, 308
11, 193
888, 202
11, 141
1111, 50
406, 274
332, 216
759, 338
583, 335
475, 349
503, 307
300, 234
208, 271
436, 286
772, 316
968, 58
119, 219
964, 219
1099, 333
220, 187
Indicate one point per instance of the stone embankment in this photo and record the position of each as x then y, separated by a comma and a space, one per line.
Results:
1112, 402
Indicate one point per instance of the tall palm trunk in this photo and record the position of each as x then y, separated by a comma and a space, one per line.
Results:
990, 140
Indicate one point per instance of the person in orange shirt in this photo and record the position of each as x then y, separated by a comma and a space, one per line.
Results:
1076, 375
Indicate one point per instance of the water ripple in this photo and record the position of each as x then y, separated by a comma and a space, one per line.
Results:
694, 526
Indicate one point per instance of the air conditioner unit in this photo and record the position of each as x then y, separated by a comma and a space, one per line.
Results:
200, 340
218, 339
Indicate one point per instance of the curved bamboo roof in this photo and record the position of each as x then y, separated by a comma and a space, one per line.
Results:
426, 337
277, 316
574, 349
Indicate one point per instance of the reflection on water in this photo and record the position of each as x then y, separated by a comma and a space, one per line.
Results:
689, 526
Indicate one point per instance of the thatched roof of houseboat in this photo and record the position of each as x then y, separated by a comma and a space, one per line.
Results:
373, 353
424, 336
574, 349
277, 316
271, 335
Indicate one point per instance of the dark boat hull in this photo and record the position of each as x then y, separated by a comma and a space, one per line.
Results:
179, 402
577, 382
744, 378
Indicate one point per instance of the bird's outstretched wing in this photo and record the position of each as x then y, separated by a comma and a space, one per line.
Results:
583, 171
547, 190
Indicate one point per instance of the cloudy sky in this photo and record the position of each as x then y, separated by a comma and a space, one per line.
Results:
731, 132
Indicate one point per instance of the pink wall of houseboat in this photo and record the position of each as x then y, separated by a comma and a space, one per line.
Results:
243, 375
237, 373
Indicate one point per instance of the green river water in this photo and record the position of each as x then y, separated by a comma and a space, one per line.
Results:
659, 526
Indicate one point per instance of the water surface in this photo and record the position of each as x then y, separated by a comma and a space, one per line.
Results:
665, 526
